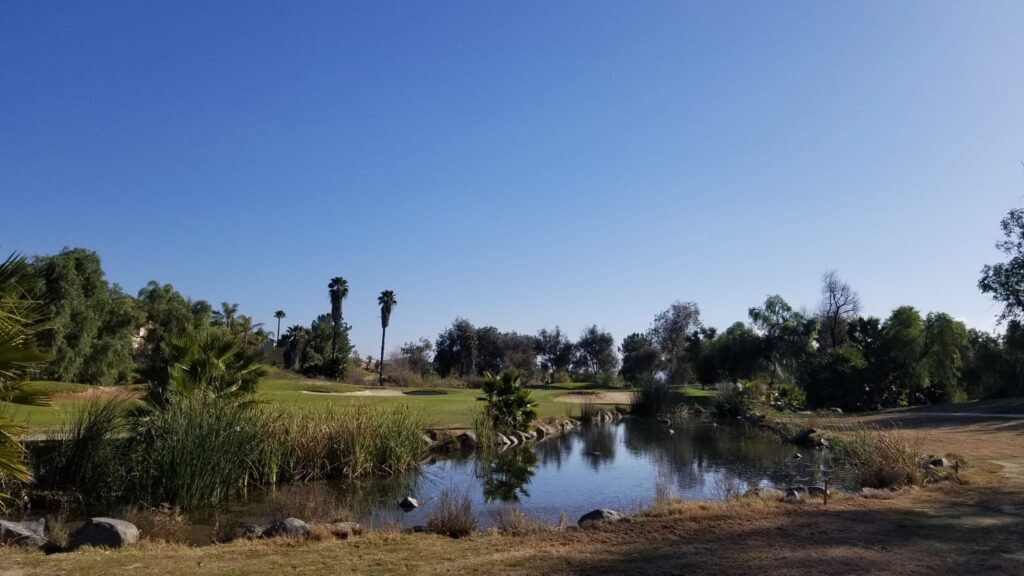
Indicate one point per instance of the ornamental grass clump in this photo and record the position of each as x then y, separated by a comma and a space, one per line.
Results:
878, 457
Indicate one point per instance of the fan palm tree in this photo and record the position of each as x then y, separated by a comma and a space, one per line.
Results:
246, 326
294, 341
18, 360
279, 315
387, 303
338, 291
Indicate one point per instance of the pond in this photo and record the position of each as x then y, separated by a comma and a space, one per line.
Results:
620, 466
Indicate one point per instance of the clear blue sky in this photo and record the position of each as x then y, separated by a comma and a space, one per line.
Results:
522, 164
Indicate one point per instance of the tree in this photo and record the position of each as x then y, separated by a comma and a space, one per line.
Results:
416, 356
1005, 281
387, 303
226, 316
165, 312
733, 355
669, 333
91, 323
246, 327
639, 358
595, 355
508, 403
900, 364
945, 346
327, 351
839, 303
786, 338
338, 291
456, 350
555, 352
280, 315
19, 360
294, 341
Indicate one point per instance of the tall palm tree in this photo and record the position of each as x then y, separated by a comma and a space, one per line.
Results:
226, 315
294, 341
279, 315
387, 302
246, 326
338, 291
18, 359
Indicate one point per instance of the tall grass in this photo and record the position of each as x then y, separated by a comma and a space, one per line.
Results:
90, 452
452, 516
651, 398
199, 451
878, 457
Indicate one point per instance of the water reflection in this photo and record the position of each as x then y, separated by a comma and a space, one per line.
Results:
505, 474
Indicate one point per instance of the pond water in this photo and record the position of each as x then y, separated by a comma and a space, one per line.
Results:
620, 466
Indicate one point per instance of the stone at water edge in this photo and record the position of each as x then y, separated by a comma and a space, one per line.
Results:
104, 532
289, 528
467, 439
408, 503
599, 515
19, 534
344, 530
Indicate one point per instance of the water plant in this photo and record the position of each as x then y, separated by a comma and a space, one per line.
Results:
452, 516
508, 402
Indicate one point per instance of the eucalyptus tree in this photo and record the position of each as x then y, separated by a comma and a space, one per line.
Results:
595, 354
555, 352
1005, 281
338, 291
19, 360
387, 302
280, 315
670, 332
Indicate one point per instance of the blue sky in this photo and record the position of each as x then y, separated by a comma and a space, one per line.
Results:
522, 164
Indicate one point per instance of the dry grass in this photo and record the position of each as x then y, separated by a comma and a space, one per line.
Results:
880, 457
452, 516
314, 502
162, 524
511, 520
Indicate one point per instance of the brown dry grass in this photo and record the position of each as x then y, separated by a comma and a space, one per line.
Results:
974, 527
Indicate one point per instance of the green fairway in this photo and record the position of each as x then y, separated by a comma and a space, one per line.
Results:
442, 407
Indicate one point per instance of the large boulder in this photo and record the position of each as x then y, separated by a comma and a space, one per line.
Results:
104, 533
287, 528
599, 515
20, 534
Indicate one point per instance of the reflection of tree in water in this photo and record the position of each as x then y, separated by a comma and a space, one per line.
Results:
556, 449
702, 456
598, 444
504, 475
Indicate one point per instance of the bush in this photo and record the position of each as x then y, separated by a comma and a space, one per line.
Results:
788, 398
738, 400
879, 457
452, 516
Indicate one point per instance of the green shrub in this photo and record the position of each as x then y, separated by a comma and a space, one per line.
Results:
738, 400
788, 398
508, 403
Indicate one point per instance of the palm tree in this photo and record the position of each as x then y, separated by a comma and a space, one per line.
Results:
226, 315
279, 315
338, 291
387, 302
246, 326
294, 341
18, 360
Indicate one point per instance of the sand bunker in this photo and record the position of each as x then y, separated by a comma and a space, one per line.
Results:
599, 398
384, 392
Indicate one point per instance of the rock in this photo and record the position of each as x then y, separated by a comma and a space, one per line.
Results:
432, 434
20, 534
766, 493
805, 412
539, 432
817, 491
591, 453
809, 437
671, 431
836, 410
467, 440
797, 456
287, 528
408, 503
806, 491
794, 495
428, 441
253, 531
599, 515
522, 436
937, 462
104, 532
345, 530
501, 439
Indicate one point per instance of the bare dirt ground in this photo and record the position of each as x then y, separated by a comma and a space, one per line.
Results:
971, 527
596, 398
